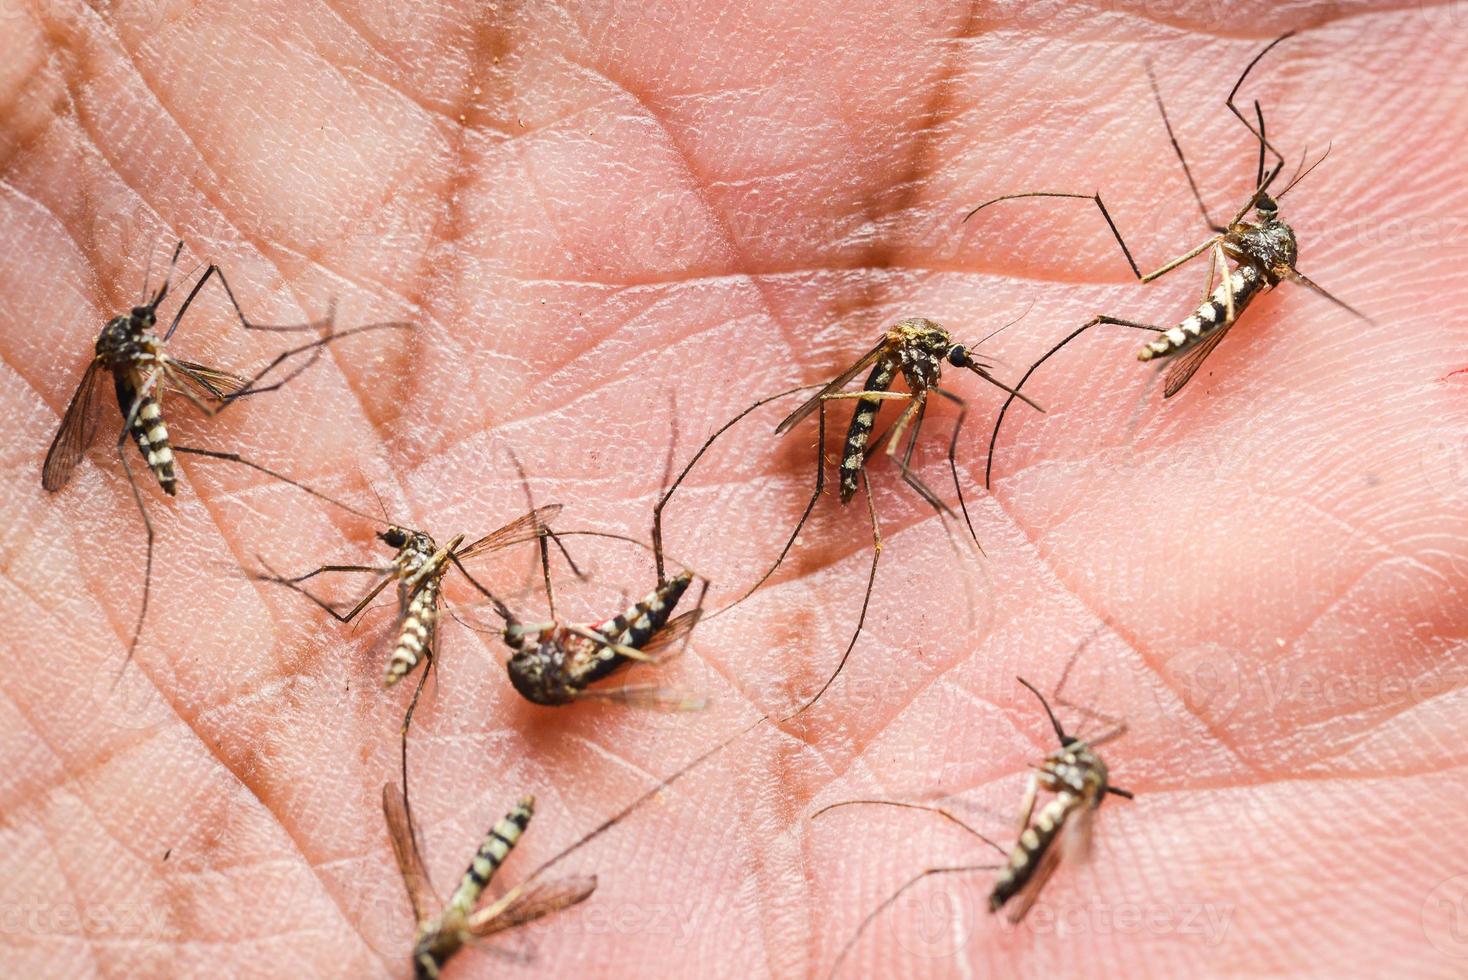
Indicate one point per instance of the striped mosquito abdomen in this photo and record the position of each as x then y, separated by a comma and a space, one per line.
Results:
853, 454
1034, 841
416, 633
636, 626
1245, 281
498, 843
148, 429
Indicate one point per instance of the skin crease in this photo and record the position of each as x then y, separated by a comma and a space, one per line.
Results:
610, 222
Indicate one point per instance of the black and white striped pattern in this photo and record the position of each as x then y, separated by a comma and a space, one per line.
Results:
151, 434
1246, 283
1034, 840
416, 634
501, 839
854, 453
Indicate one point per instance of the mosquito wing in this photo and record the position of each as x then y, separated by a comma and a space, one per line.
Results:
75, 432
206, 382
1189, 361
840, 381
1075, 836
535, 902
405, 849
524, 528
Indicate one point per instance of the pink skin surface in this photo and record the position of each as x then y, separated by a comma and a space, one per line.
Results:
608, 224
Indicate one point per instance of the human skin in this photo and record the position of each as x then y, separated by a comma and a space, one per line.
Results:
610, 223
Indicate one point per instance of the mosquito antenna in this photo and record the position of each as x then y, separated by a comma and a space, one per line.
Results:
1299, 177
1064, 738
148, 273
172, 264
380, 505
1178, 149
657, 551
1259, 115
997, 331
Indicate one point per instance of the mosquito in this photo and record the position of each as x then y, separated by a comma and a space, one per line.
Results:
1079, 781
418, 567
456, 924
446, 927
917, 348
1260, 245
142, 371
554, 663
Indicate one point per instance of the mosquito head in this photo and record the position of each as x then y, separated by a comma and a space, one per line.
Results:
958, 356
1267, 207
142, 318
393, 537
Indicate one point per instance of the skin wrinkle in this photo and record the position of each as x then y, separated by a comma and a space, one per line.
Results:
690, 180
816, 964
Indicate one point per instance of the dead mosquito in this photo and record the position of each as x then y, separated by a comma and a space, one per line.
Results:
555, 663
917, 348
443, 928
1262, 248
1079, 781
142, 372
418, 567
457, 923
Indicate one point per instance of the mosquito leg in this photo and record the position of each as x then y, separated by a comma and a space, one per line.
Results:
918, 410
217, 272
294, 586
132, 483
891, 899
953, 458
994, 435
657, 511
237, 458
1229, 102
940, 811
316, 347
129, 420
1177, 148
1095, 198
1228, 284
865, 601
631, 653
810, 505
550, 592
407, 723
1027, 806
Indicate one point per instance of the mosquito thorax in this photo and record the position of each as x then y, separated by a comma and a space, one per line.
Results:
1269, 245
1076, 769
